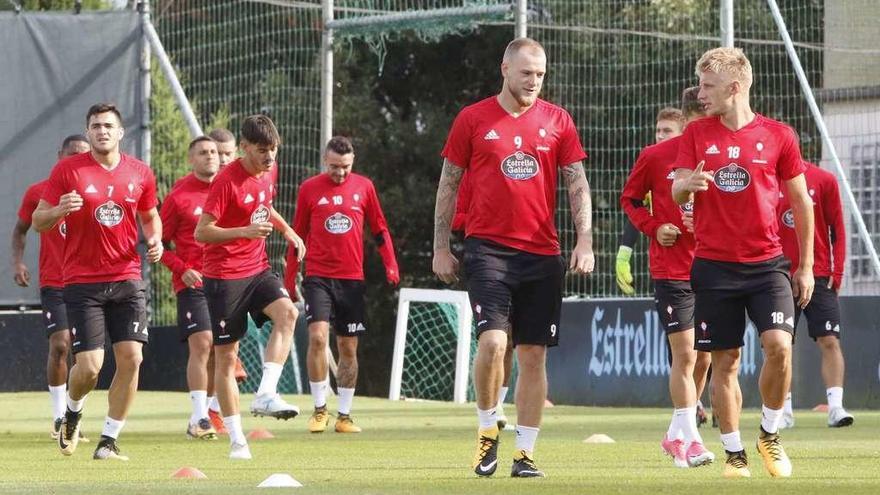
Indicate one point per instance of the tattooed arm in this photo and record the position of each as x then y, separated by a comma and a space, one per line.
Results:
582, 259
445, 265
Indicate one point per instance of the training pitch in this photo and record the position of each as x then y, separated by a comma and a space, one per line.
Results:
416, 448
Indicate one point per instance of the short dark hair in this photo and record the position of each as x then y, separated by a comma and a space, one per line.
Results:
340, 145
221, 135
690, 104
259, 129
200, 139
72, 139
103, 108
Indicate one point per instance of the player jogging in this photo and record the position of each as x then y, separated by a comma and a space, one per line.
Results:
733, 165
332, 209
515, 146
237, 217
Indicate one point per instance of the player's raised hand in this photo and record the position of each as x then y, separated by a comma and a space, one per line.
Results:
70, 202
699, 180
21, 275
582, 259
257, 230
667, 234
445, 265
296, 241
154, 250
191, 278
802, 285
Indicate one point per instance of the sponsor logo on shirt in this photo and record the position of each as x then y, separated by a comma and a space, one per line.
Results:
491, 135
732, 178
542, 148
788, 219
357, 197
248, 199
687, 207
90, 189
671, 175
713, 150
260, 215
109, 214
338, 223
323, 201
197, 211
62, 229
519, 166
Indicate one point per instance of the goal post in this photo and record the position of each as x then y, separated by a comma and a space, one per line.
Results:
458, 326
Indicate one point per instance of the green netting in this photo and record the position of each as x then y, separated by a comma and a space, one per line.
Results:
251, 351
429, 355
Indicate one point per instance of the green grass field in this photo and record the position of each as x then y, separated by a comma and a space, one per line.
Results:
415, 447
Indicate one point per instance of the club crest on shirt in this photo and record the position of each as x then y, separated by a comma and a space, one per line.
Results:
338, 223
787, 219
109, 214
62, 229
732, 178
260, 215
519, 166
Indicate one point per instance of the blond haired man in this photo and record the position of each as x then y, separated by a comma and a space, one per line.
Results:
732, 165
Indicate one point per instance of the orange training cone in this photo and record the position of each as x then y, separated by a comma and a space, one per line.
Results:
187, 472
260, 434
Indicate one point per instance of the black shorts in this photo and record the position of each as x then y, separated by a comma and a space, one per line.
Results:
675, 304
823, 312
725, 291
230, 302
514, 291
337, 301
54, 310
192, 312
117, 308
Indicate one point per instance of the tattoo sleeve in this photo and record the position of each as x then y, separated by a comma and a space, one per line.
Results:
579, 199
444, 209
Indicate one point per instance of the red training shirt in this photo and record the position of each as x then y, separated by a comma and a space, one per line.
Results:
51, 241
180, 213
513, 163
735, 220
653, 172
237, 199
829, 242
102, 237
330, 218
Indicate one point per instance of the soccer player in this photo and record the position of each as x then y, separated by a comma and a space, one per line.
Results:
226, 149
101, 196
226, 146
668, 124
733, 165
51, 284
237, 217
823, 312
459, 222
514, 146
670, 255
332, 209
180, 212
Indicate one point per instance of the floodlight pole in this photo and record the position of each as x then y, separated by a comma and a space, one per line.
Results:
326, 73
826, 137
521, 18
726, 19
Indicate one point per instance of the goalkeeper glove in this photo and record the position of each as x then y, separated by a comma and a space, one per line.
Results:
624, 270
